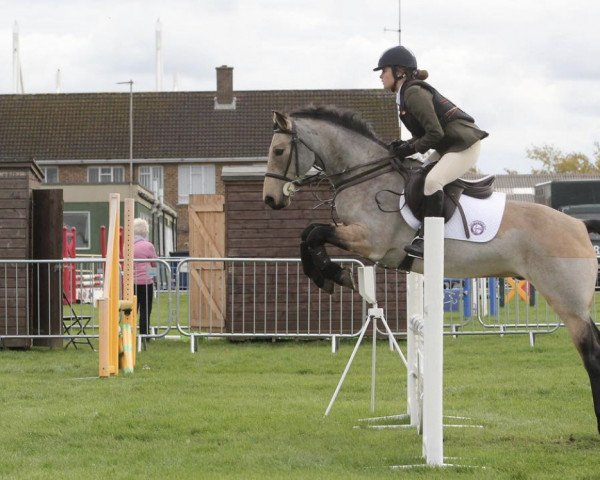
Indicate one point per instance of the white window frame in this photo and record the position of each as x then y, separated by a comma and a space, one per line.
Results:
147, 174
82, 239
195, 179
106, 171
45, 170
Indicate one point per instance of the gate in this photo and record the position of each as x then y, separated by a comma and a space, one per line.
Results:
207, 279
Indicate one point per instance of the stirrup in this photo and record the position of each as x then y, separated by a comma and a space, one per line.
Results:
415, 248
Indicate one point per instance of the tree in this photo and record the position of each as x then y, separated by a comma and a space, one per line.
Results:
555, 161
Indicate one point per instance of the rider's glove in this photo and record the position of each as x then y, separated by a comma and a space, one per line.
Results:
401, 149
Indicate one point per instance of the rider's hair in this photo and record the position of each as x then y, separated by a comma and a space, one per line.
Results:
416, 73
421, 74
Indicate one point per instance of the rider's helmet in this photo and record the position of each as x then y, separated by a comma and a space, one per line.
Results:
397, 56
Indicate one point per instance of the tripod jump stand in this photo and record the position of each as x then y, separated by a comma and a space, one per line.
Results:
366, 288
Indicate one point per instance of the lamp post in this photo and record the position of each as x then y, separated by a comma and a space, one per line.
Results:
130, 83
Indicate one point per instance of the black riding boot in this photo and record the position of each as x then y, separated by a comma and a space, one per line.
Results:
433, 207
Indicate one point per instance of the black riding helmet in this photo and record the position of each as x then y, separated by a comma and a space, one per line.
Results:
397, 55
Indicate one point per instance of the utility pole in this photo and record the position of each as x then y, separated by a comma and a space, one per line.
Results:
399, 29
130, 83
159, 60
17, 71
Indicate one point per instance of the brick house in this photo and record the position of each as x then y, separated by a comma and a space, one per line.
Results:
181, 140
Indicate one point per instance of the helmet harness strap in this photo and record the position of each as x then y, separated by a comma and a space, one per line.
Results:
397, 77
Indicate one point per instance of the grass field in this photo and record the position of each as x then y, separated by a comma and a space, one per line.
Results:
255, 410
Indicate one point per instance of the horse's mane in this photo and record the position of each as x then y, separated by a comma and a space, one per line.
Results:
345, 118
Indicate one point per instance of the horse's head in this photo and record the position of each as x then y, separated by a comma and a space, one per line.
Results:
289, 160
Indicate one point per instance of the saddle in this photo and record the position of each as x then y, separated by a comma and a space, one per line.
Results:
413, 192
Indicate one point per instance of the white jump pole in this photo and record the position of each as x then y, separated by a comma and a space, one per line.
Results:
433, 333
414, 309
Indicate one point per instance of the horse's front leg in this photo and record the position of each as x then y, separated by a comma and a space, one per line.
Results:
347, 237
310, 260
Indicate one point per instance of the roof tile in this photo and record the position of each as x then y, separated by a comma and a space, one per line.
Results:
166, 124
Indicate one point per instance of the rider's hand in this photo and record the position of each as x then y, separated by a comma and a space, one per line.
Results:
401, 149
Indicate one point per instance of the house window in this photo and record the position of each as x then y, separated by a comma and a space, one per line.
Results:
195, 179
105, 174
50, 174
81, 222
149, 175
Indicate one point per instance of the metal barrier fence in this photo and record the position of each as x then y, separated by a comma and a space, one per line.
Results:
53, 302
262, 297
498, 306
48, 302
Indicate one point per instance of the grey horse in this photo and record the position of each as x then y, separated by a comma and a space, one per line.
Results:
548, 248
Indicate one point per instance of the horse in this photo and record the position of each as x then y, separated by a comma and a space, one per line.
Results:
548, 248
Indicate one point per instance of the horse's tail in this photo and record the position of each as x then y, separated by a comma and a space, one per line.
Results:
593, 226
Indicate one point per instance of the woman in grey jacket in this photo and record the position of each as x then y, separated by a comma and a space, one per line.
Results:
434, 123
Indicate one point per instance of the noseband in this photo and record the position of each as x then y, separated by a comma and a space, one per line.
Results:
292, 157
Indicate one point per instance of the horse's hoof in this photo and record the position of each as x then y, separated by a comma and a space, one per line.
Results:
323, 283
345, 279
328, 286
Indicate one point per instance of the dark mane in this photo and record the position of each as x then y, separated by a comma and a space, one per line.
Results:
345, 118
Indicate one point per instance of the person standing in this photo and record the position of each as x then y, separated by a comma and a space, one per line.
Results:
143, 280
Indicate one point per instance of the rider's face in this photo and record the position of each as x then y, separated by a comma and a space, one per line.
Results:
387, 78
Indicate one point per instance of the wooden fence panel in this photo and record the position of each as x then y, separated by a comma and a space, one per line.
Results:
207, 279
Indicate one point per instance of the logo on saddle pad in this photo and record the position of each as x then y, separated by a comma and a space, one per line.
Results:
477, 227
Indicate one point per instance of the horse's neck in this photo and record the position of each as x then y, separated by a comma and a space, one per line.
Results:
340, 148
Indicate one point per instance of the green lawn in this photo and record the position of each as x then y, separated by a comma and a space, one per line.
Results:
255, 410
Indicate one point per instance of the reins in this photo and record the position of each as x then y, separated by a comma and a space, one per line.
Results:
377, 167
339, 181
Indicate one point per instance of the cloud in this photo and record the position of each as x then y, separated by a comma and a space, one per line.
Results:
527, 71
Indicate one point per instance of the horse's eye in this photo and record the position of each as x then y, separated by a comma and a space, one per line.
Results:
278, 151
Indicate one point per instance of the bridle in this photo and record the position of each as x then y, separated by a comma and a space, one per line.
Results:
374, 168
292, 184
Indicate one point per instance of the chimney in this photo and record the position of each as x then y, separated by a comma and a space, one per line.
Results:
224, 99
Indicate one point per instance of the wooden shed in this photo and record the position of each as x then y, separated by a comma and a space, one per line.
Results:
30, 227
252, 229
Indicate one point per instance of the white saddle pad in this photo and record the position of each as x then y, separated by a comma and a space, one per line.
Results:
483, 218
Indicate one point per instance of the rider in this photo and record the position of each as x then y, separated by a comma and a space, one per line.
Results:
435, 123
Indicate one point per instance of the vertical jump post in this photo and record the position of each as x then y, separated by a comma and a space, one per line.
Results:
110, 305
433, 333
425, 344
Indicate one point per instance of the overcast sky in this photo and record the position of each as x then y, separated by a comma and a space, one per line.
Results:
528, 71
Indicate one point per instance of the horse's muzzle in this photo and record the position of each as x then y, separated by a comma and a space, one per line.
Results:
270, 201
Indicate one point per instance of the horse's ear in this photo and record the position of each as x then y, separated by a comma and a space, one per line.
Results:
281, 122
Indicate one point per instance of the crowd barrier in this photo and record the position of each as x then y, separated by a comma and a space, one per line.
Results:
492, 306
37, 309
262, 297
248, 297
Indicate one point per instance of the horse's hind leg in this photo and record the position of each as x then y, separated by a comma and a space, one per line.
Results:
586, 338
568, 286
570, 292
589, 349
